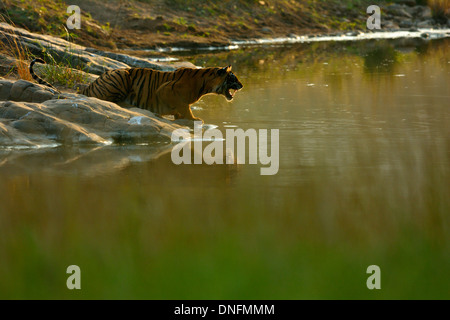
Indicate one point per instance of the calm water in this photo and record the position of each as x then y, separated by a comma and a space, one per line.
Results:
363, 179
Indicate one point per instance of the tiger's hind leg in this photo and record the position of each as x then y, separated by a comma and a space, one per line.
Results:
111, 86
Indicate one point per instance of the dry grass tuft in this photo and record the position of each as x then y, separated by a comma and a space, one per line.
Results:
10, 45
440, 9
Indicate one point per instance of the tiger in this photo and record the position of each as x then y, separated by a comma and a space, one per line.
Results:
161, 92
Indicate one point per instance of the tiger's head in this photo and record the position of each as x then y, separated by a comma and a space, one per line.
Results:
229, 83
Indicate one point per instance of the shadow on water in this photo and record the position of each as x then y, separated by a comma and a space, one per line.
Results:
80, 161
381, 59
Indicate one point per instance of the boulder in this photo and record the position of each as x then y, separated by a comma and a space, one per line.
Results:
388, 24
423, 12
266, 30
25, 91
425, 24
72, 119
410, 3
399, 10
7, 64
406, 23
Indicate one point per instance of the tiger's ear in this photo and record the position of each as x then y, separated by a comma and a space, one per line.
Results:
224, 70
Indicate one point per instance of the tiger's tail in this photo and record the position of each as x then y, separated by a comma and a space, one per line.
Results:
36, 77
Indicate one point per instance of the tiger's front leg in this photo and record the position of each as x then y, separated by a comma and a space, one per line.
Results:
186, 113
173, 98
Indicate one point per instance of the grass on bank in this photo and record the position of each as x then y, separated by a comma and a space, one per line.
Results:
66, 76
11, 46
64, 73
47, 16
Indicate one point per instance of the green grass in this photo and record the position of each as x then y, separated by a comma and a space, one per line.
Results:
58, 74
50, 17
43, 15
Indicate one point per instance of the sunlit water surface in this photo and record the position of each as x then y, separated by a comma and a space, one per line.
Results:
363, 179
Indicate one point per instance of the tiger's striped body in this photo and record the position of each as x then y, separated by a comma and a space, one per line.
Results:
164, 93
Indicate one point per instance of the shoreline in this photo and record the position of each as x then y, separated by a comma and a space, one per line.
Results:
426, 34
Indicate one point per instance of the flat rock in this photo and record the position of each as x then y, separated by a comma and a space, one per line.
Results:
74, 119
424, 12
137, 62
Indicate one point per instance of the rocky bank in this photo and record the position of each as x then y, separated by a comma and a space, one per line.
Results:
33, 115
